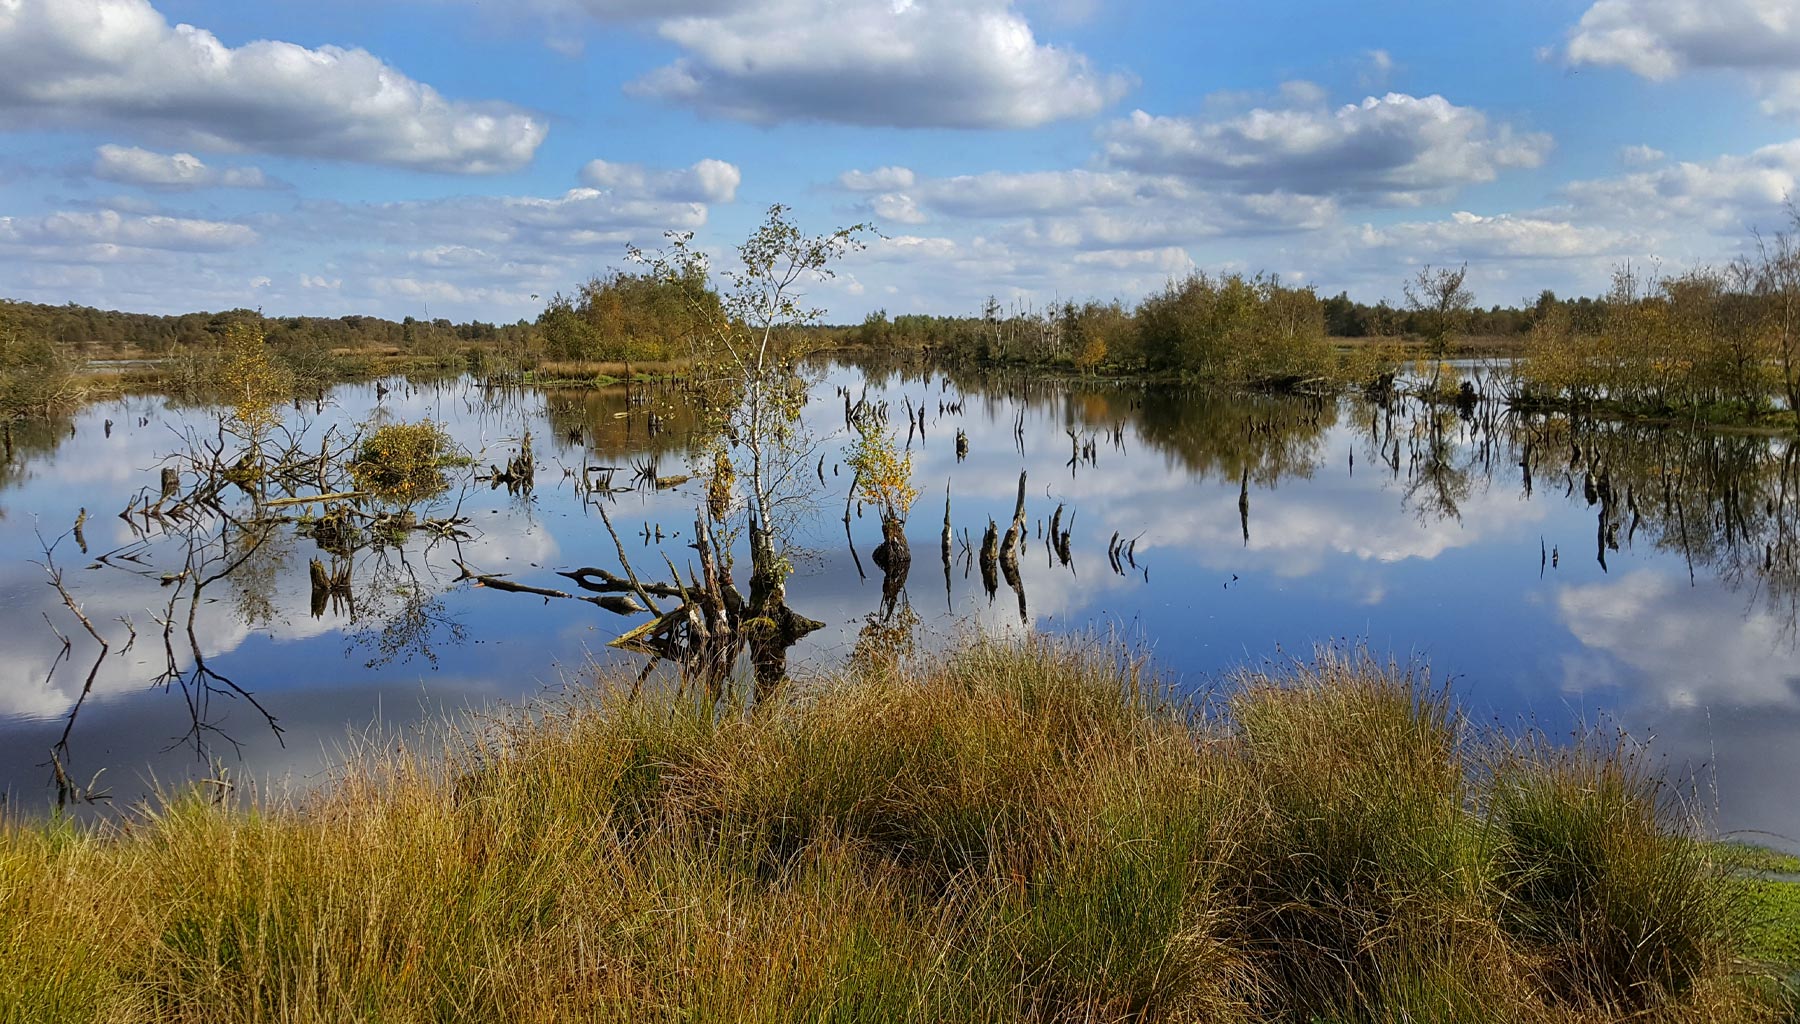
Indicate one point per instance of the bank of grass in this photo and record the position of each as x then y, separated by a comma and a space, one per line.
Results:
1003, 834
590, 373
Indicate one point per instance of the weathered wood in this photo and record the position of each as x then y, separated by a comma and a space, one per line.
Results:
625, 563
611, 584
948, 535
618, 604
501, 583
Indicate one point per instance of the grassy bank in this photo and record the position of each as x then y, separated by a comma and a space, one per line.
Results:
1001, 835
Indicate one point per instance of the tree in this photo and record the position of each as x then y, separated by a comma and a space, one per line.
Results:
1777, 279
884, 479
1440, 306
253, 382
746, 351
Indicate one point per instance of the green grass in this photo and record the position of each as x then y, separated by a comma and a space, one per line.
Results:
1031, 833
1752, 858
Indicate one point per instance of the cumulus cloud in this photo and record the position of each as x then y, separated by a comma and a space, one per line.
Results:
120, 62
881, 179
486, 257
109, 229
1642, 156
1469, 236
628, 10
897, 207
997, 194
1724, 195
1660, 39
135, 166
1086, 209
1392, 149
908, 64
708, 181
1377, 69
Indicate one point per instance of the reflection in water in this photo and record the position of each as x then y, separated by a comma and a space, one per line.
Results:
26, 442
1554, 564
401, 614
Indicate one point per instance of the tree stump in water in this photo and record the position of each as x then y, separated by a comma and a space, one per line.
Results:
893, 552
990, 559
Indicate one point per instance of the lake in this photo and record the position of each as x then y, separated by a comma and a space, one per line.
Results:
1563, 577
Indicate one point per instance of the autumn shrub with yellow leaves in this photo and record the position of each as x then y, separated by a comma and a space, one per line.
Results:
405, 462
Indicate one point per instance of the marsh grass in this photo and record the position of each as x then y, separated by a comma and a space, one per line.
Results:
1004, 833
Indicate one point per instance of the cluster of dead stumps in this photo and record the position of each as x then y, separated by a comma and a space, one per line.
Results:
219, 508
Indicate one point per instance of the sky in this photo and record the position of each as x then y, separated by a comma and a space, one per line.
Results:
471, 158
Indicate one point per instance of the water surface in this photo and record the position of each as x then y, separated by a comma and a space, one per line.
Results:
1564, 576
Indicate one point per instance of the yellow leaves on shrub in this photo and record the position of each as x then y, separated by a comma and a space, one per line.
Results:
254, 382
885, 473
404, 462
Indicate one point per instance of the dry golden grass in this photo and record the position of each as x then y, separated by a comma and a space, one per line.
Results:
576, 369
1004, 833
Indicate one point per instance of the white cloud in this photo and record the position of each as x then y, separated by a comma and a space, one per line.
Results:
881, 179
913, 64
1726, 195
996, 194
1469, 236
119, 62
1641, 156
1377, 70
135, 166
897, 207
1395, 149
628, 10
1100, 209
708, 181
110, 229
579, 219
1660, 39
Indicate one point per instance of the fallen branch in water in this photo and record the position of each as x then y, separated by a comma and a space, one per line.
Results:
501, 583
618, 604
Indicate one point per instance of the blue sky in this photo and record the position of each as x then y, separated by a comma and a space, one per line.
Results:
469, 158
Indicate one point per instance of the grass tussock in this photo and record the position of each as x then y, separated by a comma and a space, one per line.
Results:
1004, 833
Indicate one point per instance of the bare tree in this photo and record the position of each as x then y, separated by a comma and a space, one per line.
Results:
1777, 279
1441, 304
745, 375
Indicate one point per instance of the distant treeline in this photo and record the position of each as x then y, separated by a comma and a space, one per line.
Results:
1230, 328
1723, 338
98, 333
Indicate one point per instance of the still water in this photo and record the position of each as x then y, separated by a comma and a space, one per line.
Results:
1562, 576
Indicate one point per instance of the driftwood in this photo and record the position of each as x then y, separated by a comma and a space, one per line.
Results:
619, 604
608, 583
501, 583
624, 562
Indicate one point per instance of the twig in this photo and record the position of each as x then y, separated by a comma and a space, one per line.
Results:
643, 595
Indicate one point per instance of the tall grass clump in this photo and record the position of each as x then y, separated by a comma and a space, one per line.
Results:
1363, 870
1032, 832
1598, 875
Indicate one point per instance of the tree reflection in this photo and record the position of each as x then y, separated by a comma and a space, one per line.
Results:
401, 613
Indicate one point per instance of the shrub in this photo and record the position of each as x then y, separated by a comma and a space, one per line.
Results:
37, 375
1598, 875
405, 462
